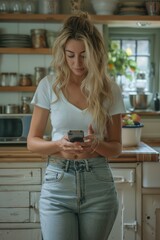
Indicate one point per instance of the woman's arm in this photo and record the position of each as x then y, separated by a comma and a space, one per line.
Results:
113, 146
35, 141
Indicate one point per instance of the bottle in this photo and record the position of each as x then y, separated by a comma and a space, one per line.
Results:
156, 103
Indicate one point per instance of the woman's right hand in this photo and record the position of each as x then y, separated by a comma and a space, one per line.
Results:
70, 147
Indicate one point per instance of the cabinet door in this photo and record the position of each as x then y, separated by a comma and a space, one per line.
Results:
34, 207
14, 206
125, 226
19, 234
151, 217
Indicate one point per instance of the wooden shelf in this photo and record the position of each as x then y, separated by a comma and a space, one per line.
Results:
18, 89
26, 51
111, 20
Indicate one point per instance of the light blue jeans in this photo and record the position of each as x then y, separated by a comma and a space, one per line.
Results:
78, 200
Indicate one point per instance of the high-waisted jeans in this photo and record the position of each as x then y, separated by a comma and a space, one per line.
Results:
78, 200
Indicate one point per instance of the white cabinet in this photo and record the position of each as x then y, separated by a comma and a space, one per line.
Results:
20, 185
25, 234
151, 201
151, 217
126, 177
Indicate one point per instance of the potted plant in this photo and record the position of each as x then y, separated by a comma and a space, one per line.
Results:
120, 62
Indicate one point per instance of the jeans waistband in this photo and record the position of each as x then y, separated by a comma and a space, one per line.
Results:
78, 165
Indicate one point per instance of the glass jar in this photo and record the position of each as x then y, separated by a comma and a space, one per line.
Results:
16, 6
29, 6
25, 108
40, 73
38, 38
51, 71
13, 79
48, 6
25, 80
4, 6
4, 79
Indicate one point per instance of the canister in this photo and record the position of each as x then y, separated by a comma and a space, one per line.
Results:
38, 38
25, 107
48, 6
25, 80
40, 73
4, 79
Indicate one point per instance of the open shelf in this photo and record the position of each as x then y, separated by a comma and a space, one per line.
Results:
25, 51
18, 89
111, 20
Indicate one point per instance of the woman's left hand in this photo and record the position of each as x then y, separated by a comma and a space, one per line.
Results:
90, 141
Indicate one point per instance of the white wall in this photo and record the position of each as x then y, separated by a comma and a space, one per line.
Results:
151, 127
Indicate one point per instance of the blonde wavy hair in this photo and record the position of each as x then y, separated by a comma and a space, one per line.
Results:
96, 85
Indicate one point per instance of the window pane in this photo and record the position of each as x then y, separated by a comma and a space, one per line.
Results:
143, 47
143, 63
129, 44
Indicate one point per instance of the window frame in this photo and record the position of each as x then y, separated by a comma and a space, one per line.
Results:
153, 35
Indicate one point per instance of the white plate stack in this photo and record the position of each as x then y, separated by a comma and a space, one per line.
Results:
15, 41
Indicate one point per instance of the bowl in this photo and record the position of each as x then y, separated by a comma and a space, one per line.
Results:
131, 135
104, 7
140, 100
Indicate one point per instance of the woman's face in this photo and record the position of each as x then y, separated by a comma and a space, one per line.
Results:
75, 54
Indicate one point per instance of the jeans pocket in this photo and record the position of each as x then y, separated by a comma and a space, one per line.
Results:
53, 175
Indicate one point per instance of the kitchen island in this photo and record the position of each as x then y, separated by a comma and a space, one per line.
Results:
21, 177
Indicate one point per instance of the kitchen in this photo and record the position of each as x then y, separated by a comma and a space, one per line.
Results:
31, 167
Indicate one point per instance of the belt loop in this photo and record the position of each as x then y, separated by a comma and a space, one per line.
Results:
67, 165
48, 160
86, 163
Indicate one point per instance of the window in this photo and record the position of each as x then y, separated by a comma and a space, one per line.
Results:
144, 45
140, 52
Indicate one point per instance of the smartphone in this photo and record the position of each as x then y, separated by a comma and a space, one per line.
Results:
75, 135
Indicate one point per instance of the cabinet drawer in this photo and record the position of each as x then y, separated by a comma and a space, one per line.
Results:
124, 175
16, 215
20, 176
19, 234
14, 199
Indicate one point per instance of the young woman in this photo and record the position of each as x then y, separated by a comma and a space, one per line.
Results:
78, 198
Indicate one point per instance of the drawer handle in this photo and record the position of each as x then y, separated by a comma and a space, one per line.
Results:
12, 176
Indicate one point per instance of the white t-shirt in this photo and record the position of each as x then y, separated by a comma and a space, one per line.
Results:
64, 115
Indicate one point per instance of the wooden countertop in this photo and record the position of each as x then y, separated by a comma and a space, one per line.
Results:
141, 153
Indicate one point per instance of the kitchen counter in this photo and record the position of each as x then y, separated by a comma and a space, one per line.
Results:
141, 153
